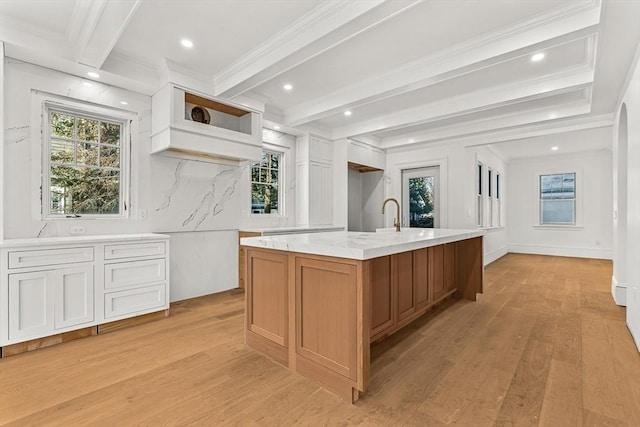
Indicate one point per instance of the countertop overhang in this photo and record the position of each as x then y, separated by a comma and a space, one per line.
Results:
360, 245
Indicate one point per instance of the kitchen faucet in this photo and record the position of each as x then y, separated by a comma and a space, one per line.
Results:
395, 224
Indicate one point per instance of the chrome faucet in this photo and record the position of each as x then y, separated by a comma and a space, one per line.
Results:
396, 224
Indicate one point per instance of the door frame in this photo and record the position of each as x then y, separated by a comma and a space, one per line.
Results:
393, 186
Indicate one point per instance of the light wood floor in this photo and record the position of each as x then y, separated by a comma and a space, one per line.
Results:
544, 345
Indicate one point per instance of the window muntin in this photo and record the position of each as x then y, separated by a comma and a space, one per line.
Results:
558, 199
84, 164
265, 184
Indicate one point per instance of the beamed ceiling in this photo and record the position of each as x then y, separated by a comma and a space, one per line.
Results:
410, 71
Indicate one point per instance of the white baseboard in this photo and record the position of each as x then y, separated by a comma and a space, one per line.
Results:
619, 292
561, 251
489, 257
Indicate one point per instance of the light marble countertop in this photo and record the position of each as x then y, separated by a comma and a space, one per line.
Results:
291, 230
361, 245
16, 243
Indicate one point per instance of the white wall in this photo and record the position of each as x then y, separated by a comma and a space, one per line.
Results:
457, 184
198, 200
354, 200
365, 198
629, 258
592, 238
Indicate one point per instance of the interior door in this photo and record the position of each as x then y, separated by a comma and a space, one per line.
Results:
420, 197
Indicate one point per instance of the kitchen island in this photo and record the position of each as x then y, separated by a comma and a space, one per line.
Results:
316, 302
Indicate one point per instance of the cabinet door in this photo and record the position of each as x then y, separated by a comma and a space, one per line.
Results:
326, 210
449, 267
377, 158
326, 150
73, 296
315, 193
382, 295
358, 153
403, 273
30, 305
421, 277
436, 271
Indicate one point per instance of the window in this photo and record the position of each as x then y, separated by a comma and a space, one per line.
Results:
489, 195
85, 172
265, 184
479, 195
558, 199
498, 207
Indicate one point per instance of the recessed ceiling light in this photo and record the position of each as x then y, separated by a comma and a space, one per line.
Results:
554, 148
276, 127
537, 57
87, 84
124, 103
553, 116
287, 86
186, 43
347, 113
93, 75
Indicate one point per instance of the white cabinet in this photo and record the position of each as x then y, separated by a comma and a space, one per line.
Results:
314, 201
30, 305
42, 302
53, 286
136, 284
365, 155
185, 123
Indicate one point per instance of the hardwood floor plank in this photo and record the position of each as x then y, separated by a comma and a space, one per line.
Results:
562, 404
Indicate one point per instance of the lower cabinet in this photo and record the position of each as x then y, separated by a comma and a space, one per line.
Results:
404, 285
42, 302
54, 288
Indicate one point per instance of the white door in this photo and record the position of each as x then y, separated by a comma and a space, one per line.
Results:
30, 305
73, 296
421, 197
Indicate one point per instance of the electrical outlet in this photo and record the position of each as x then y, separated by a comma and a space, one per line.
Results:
142, 214
77, 229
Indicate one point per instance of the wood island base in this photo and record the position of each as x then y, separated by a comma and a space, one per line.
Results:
318, 315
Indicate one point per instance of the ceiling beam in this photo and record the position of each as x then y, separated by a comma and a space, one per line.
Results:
480, 100
96, 26
490, 124
573, 22
323, 28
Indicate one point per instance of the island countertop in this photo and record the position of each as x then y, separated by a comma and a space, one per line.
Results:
361, 245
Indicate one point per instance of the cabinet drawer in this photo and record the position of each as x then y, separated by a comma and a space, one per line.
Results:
37, 258
132, 301
129, 250
134, 273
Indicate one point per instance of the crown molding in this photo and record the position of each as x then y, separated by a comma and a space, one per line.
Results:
325, 27
569, 23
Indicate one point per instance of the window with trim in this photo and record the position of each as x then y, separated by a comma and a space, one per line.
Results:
558, 199
490, 195
498, 202
265, 184
85, 172
479, 208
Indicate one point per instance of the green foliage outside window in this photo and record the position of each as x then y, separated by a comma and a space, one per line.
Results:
84, 165
265, 179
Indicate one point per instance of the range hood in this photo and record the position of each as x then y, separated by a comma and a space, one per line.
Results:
188, 124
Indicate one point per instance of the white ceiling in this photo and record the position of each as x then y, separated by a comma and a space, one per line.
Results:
411, 71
